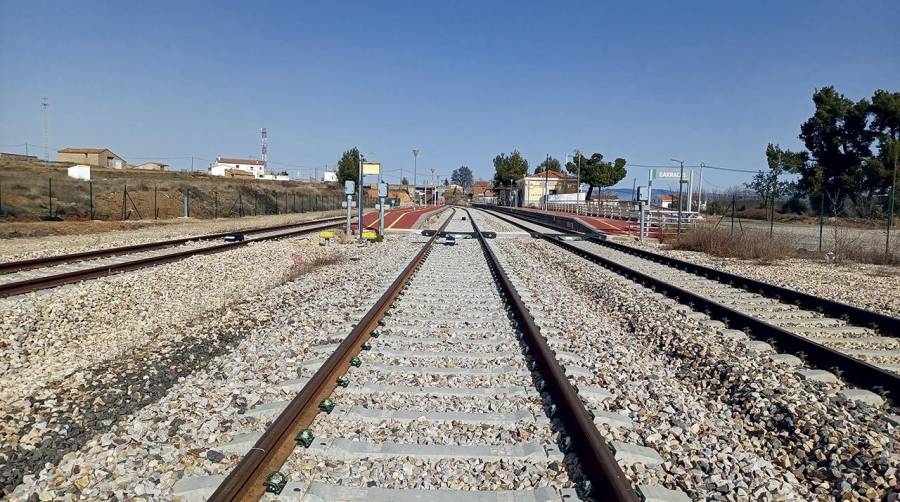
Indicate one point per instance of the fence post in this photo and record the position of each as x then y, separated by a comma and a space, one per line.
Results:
50, 194
1, 197
821, 218
733, 208
155, 205
124, 200
90, 200
215, 204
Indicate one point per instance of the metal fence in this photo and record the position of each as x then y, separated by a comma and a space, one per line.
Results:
658, 221
61, 197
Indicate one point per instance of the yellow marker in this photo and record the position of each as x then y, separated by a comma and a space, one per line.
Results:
326, 234
369, 235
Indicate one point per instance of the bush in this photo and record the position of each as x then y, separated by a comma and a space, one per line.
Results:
716, 207
749, 245
796, 205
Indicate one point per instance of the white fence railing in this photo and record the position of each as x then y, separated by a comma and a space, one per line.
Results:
657, 221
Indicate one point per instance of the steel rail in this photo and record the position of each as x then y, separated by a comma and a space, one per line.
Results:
17, 266
51, 281
598, 463
245, 481
887, 325
853, 370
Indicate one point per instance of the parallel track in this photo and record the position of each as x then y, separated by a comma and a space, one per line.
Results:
769, 316
54, 279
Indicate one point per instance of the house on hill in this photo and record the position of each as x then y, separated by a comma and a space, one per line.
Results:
95, 157
151, 166
224, 166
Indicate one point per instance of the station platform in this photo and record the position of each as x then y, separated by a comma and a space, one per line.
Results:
607, 226
404, 218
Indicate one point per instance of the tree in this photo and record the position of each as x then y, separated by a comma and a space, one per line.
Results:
768, 184
446, 182
508, 169
838, 141
552, 163
885, 111
348, 166
597, 173
463, 177
404, 181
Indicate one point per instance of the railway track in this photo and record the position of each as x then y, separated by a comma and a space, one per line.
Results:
30, 275
445, 390
839, 340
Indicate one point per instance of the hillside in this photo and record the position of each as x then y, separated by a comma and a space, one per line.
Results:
25, 188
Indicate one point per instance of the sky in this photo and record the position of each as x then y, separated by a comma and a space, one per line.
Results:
462, 81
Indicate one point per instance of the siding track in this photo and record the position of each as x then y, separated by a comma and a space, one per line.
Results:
818, 330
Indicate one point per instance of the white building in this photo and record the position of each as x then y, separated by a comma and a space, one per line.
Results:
223, 164
329, 176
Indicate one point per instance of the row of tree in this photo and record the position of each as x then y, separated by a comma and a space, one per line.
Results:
593, 170
850, 159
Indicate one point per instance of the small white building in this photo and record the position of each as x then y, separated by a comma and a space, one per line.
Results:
329, 176
223, 165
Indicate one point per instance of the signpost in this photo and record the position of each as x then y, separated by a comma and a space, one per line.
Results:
349, 188
643, 196
382, 194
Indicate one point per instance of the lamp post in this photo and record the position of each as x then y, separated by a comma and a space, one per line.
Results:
680, 192
415, 169
578, 155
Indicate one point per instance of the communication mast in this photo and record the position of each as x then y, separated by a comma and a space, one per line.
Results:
265, 148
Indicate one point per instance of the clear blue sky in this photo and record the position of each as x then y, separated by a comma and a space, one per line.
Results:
701, 81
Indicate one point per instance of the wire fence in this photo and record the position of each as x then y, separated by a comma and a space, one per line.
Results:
64, 198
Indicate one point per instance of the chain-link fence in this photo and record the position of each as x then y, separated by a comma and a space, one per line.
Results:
811, 224
62, 197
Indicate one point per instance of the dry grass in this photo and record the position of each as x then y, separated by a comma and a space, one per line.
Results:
749, 245
308, 265
754, 244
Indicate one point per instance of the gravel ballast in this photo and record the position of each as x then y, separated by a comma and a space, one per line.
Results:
167, 367
729, 423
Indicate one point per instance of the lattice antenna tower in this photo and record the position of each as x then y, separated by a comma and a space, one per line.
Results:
265, 147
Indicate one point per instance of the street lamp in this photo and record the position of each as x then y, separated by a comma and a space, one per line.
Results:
415, 169
680, 191
578, 155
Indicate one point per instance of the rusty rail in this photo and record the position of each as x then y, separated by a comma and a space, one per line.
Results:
18, 266
52, 281
245, 481
598, 463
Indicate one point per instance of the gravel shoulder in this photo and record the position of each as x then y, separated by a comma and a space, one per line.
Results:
88, 239
107, 385
872, 287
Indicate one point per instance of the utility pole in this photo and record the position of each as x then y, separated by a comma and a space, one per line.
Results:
887, 240
680, 192
578, 154
700, 190
546, 183
44, 104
